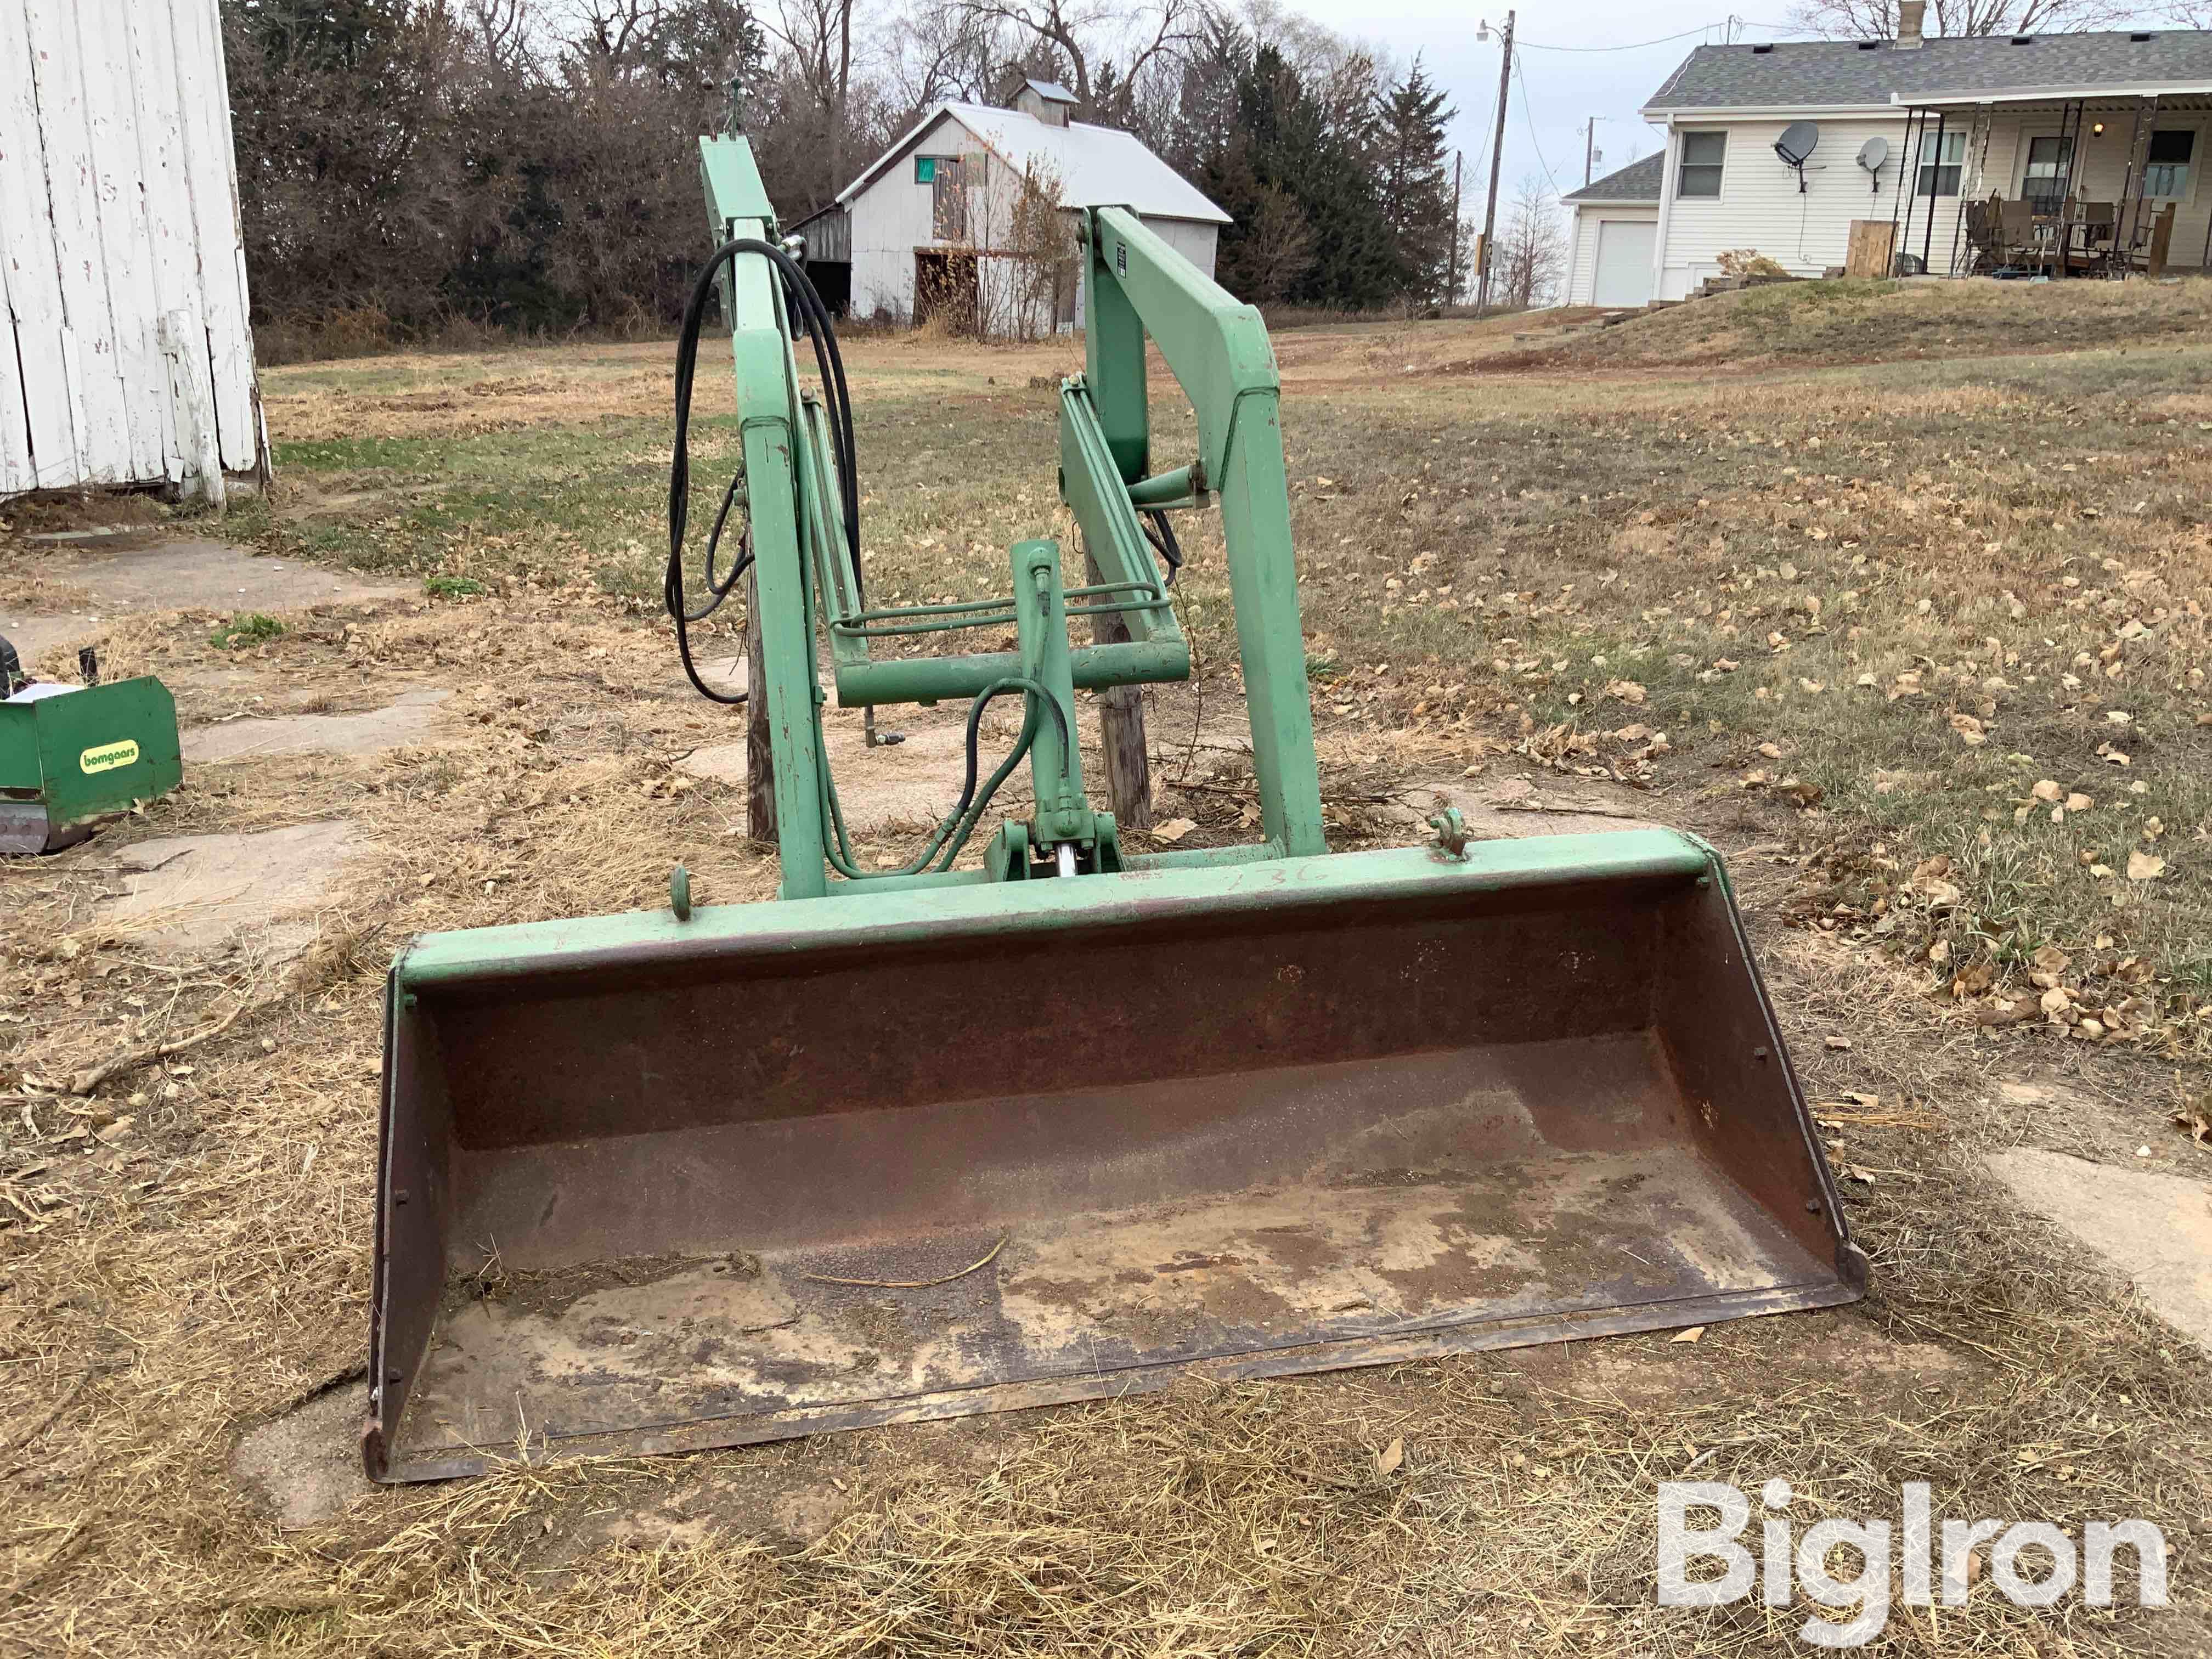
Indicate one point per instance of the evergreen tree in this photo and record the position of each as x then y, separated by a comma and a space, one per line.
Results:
1414, 181
1302, 191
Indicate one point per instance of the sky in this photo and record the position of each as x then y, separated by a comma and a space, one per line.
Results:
1609, 75
1556, 91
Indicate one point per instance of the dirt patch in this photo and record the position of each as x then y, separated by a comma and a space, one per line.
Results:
137, 575
2156, 1228
189, 894
304, 1468
413, 717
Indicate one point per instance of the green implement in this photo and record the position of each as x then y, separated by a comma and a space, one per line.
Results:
1058, 1121
71, 760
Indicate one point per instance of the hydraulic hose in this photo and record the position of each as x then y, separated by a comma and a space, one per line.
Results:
807, 311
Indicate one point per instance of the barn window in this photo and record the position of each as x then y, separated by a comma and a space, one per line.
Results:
925, 169
1703, 153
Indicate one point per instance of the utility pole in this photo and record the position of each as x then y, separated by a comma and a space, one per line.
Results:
1590, 147
1451, 291
1497, 155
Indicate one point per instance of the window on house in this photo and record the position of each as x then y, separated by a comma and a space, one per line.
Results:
2043, 180
925, 169
1703, 154
1942, 155
2165, 172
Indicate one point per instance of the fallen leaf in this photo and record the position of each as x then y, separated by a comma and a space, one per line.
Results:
2145, 866
1692, 1335
1969, 730
1173, 829
1627, 690
1841, 1045
115, 1131
2049, 789
1388, 1459
2078, 802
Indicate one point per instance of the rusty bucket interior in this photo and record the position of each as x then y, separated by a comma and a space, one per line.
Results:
650, 1185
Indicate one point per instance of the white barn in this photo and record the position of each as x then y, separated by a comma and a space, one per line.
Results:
932, 221
129, 358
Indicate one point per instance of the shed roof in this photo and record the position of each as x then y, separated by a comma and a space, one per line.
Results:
1637, 182
1854, 75
1097, 166
1051, 91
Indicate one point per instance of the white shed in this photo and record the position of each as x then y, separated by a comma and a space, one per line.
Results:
928, 218
121, 264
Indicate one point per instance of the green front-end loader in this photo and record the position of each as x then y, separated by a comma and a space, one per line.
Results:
1061, 1121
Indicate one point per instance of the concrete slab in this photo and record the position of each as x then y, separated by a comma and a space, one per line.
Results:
305, 1468
188, 893
2156, 1228
414, 717
1514, 807
153, 573
910, 784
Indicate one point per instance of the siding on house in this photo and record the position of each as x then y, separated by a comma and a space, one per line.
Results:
1581, 268
1758, 206
127, 357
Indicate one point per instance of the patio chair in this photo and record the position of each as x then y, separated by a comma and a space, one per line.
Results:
2016, 231
1986, 249
2094, 232
2151, 240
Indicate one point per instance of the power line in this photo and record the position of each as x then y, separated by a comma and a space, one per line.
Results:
1702, 29
1528, 120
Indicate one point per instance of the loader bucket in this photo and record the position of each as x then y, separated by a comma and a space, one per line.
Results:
650, 1184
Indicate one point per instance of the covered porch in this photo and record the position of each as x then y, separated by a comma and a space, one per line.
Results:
2056, 182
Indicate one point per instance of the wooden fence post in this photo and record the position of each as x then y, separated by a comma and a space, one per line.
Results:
1121, 727
760, 756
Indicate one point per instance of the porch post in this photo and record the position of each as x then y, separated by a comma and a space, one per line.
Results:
1935, 184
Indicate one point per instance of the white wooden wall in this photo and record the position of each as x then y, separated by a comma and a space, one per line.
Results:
121, 265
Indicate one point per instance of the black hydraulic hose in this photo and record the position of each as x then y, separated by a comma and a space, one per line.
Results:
809, 312
1160, 532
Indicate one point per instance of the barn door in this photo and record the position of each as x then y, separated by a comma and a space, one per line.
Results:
948, 203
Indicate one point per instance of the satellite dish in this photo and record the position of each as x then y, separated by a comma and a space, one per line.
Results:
1795, 145
1872, 154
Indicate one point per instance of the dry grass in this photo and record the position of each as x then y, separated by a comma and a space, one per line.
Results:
172, 1283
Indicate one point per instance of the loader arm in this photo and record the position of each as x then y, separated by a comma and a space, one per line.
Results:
1136, 286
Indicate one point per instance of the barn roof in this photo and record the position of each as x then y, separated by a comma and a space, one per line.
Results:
1097, 166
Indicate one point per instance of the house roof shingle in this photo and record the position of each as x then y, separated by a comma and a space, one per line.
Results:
1637, 182
1844, 74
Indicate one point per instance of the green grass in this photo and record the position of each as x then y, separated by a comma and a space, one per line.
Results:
249, 628
1500, 552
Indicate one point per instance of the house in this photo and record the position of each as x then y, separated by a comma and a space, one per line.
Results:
1908, 131
125, 354
970, 215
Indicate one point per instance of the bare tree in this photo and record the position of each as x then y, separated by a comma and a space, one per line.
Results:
1531, 249
1109, 48
503, 34
1876, 20
1279, 247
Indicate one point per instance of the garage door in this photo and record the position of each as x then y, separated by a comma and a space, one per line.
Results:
1623, 262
